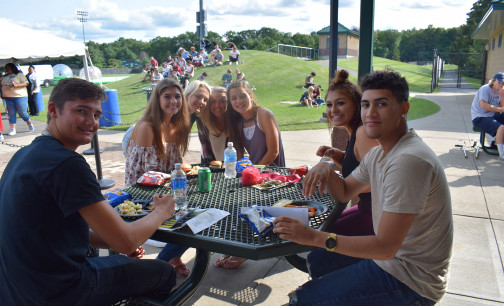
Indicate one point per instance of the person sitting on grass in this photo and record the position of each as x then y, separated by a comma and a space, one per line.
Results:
47, 225
307, 97
156, 77
316, 95
189, 68
202, 77
218, 59
198, 60
193, 51
227, 78
309, 80
166, 70
204, 55
234, 56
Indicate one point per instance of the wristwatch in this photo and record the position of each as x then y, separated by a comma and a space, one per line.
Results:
331, 242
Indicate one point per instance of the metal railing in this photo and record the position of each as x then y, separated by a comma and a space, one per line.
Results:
296, 51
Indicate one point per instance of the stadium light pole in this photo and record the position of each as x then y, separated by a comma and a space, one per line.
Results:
82, 16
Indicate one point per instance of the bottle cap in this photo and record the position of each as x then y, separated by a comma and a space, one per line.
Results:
230, 144
178, 166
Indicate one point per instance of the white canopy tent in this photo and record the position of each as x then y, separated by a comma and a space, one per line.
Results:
22, 44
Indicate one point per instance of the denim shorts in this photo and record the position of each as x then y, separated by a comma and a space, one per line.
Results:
489, 125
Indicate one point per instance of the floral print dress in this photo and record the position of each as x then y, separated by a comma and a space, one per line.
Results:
142, 159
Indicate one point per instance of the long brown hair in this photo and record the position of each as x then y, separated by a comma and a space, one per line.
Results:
234, 118
341, 83
153, 114
209, 119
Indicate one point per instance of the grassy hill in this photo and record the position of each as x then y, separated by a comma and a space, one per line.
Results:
277, 78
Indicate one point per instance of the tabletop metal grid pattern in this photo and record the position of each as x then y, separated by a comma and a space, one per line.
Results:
230, 195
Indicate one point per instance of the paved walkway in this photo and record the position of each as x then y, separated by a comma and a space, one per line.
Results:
476, 274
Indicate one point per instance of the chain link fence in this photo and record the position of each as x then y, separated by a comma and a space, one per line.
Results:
469, 65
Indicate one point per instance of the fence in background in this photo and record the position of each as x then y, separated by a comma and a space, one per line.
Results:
296, 51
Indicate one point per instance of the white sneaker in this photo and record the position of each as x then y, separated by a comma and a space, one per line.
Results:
501, 159
155, 243
12, 132
2, 137
31, 127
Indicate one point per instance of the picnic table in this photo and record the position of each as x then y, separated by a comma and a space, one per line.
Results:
232, 235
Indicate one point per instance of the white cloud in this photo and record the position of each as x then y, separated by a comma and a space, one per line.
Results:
111, 19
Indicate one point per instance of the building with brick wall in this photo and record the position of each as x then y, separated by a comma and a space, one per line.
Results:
491, 29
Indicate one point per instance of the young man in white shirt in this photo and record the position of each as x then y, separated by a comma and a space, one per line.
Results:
406, 261
234, 56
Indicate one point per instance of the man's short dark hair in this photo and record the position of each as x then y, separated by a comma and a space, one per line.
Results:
313, 73
390, 80
73, 88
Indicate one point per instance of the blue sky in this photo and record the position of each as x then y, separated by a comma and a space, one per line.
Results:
111, 19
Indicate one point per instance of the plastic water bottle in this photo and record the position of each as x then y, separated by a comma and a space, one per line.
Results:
230, 161
326, 159
179, 187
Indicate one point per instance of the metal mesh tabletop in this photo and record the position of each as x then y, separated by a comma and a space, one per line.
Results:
233, 235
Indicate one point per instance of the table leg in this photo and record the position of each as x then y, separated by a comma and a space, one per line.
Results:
297, 262
193, 281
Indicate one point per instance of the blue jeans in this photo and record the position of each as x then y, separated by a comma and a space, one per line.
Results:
20, 105
343, 280
117, 277
170, 251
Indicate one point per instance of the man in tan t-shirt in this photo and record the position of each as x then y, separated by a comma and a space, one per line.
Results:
406, 261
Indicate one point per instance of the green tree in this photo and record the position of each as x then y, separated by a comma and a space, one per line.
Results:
386, 44
125, 53
463, 41
114, 63
96, 54
161, 47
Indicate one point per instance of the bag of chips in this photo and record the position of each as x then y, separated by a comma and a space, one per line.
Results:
242, 164
153, 178
260, 220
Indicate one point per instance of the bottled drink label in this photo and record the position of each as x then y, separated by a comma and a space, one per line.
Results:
179, 183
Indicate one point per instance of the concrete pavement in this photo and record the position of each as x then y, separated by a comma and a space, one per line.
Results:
476, 274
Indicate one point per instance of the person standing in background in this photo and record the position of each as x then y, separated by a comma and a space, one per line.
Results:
14, 85
33, 89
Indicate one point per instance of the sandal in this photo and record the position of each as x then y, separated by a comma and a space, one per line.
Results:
220, 261
232, 262
182, 270
179, 266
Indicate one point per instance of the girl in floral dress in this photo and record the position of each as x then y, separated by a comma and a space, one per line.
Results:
158, 141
